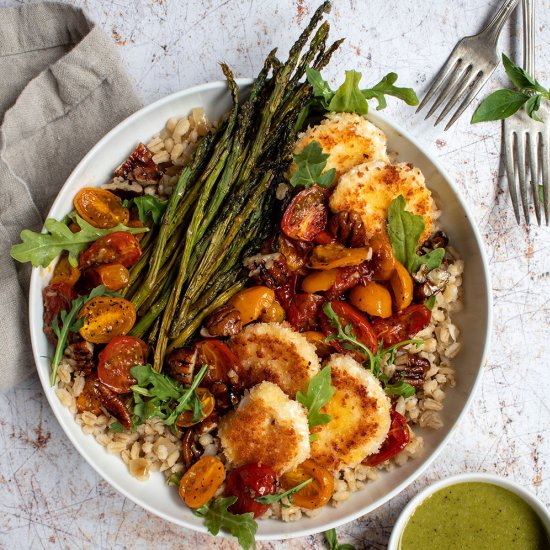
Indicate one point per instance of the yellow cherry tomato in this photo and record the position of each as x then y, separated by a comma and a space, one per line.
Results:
64, 272
330, 256
273, 314
251, 302
100, 208
106, 317
315, 494
383, 259
319, 281
201, 481
185, 419
372, 298
402, 286
318, 340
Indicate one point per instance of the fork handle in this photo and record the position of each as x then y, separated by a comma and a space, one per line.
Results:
529, 36
492, 30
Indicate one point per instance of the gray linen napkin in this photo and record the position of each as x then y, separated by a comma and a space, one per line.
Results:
62, 87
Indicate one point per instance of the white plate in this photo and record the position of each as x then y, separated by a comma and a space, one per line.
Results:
532, 500
474, 321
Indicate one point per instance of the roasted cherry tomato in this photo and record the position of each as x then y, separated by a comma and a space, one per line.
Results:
185, 419
137, 223
397, 439
402, 285
303, 311
64, 272
100, 207
318, 340
295, 252
403, 325
319, 281
250, 302
306, 215
324, 237
383, 259
361, 328
372, 298
221, 360
247, 483
119, 247
88, 399
111, 276
57, 297
314, 494
106, 317
115, 361
330, 256
201, 481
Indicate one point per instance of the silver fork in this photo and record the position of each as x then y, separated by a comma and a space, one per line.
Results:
469, 66
526, 140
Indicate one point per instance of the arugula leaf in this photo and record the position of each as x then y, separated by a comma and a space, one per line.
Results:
319, 393
175, 479
270, 499
116, 427
348, 98
332, 541
217, 517
311, 162
71, 323
386, 87
149, 207
41, 248
405, 230
400, 388
430, 302
321, 88
166, 398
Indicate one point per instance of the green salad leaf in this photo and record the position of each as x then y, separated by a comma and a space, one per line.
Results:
321, 88
386, 87
348, 97
149, 208
332, 541
270, 499
164, 397
405, 230
116, 427
218, 518
430, 302
319, 392
42, 248
311, 161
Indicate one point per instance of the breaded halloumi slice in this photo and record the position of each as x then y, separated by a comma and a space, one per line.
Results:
360, 414
266, 428
348, 138
278, 354
369, 189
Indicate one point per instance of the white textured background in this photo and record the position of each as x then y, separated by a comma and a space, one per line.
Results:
50, 498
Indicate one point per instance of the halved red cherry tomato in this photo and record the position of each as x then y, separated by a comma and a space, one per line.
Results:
324, 237
247, 483
306, 215
106, 317
397, 439
57, 297
111, 276
201, 481
119, 247
100, 207
115, 361
361, 328
303, 311
315, 494
221, 360
403, 325
64, 272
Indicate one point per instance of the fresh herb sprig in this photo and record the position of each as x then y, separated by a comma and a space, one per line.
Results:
149, 208
164, 397
42, 248
405, 230
504, 103
348, 340
71, 323
332, 541
218, 518
318, 394
311, 161
270, 499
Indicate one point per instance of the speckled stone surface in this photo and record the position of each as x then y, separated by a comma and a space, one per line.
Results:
51, 498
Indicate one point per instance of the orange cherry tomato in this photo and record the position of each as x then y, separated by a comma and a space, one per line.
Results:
200, 483
117, 358
383, 259
251, 302
318, 340
111, 276
221, 360
119, 247
402, 285
185, 419
371, 298
397, 439
100, 207
330, 256
106, 317
64, 272
319, 281
314, 494
306, 215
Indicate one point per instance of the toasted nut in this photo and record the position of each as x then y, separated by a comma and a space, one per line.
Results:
225, 321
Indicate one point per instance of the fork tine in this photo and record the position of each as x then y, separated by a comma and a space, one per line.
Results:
466, 81
545, 163
509, 153
440, 79
520, 163
447, 89
533, 146
479, 82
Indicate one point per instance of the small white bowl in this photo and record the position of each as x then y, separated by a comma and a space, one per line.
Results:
512, 486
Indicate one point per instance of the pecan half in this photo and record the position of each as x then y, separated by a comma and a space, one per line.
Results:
348, 228
80, 356
413, 372
181, 363
140, 167
224, 321
227, 396
437, 240
435, 281
112, 402
191, 448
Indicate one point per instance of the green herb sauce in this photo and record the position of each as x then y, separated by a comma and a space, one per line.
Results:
473, 516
